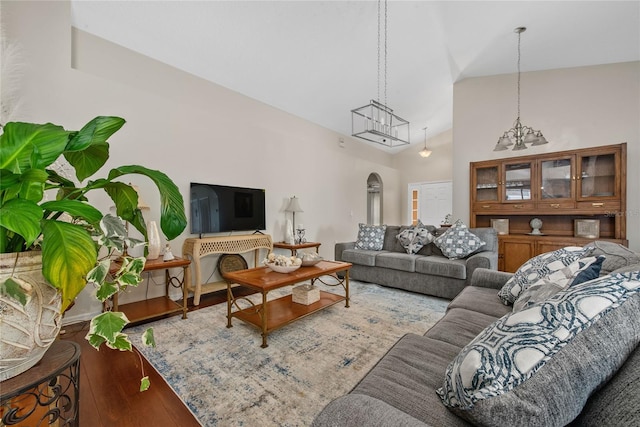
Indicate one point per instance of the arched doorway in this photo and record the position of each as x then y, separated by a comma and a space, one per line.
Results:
374, 199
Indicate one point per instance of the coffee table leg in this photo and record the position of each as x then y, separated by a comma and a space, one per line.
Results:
264, 320
346, 288
229, 303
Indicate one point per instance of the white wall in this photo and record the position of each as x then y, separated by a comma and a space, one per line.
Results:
413, 168
573, 107
193, 131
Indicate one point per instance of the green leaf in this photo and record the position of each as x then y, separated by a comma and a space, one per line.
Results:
32, 184
95, 340
22, 217
88, 149
8, 179
13, 289
100, 272
19, 141
121, 343
88, 161
106, 290
68, 254
148, 339
125, 198
144, 384
98, 130
172, 214
76, 209
108, 325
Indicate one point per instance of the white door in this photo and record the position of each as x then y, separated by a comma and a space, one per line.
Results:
430, 202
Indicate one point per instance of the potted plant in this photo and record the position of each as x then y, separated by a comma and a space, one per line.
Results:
48, 227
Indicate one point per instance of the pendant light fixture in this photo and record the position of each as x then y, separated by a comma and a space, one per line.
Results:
376, 122
519, 135
425, 152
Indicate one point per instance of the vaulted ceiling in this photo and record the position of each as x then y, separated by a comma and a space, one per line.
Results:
318, 59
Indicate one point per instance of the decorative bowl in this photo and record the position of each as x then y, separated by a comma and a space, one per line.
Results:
310, 262
282, 268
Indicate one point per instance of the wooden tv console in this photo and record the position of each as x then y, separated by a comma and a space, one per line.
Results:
198, 248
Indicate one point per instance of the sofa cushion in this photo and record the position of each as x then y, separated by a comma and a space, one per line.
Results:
370, 237
460, 326
482, 300
577, 272
407, 376
441, 266
413, 239
458, 241
360, 410
537, 268
391, 244
544, 362
617, 255
360, 257
396, 261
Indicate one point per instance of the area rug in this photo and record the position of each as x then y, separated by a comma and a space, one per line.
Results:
227, 379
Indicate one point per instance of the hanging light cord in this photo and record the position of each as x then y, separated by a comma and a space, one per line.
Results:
378, 51
519, 34
385, 52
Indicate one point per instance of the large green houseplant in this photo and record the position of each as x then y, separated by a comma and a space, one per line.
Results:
42, 210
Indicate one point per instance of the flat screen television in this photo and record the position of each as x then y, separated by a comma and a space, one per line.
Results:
221, 208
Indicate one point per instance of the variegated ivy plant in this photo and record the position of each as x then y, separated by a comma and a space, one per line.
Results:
77, 241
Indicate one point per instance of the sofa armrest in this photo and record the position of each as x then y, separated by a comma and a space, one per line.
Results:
484, 259
485, 278
361, 410
340, 247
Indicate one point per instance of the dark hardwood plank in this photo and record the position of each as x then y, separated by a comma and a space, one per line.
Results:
110, 382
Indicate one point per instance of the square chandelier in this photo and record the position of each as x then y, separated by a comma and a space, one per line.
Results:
376, 122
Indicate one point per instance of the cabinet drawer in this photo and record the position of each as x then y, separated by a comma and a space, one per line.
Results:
486, 206
613, 205
517, 207
552, 206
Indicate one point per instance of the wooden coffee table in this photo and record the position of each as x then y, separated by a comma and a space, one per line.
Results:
271, 315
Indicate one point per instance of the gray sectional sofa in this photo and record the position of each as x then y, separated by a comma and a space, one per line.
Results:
401, 389
427, 272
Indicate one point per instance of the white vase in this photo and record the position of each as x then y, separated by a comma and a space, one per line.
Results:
27, 331
289, 236
154, 240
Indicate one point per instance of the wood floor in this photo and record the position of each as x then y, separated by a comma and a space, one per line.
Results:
110, 381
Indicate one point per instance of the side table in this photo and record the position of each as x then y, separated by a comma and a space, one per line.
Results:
46, 394
295, 247
152, 308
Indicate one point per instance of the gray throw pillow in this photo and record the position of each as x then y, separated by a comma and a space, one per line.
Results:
370, 237
618, 256
540, 365
413, 239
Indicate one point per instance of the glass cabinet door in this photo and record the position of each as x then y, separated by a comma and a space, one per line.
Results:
517, 181
486, 180
597, 176
556, 177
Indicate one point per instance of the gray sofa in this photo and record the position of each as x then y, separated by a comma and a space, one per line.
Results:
400, 389
427, 272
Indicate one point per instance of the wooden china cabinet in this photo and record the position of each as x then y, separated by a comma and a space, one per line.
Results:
557, 188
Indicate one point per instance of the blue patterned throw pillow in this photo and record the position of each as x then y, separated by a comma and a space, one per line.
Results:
458, 242
413, 239
542, 363
370, 237
537, 268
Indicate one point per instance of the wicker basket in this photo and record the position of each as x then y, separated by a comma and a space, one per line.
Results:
306, 294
